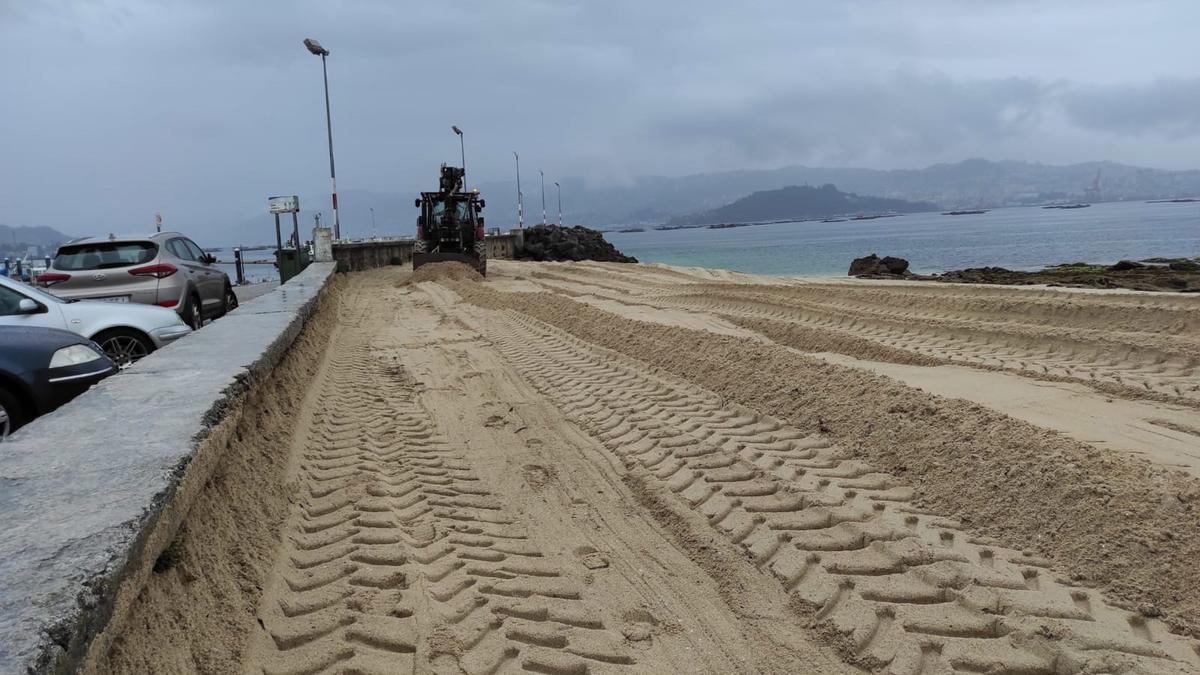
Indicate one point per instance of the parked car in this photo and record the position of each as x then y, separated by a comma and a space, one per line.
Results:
126, 333
43, 368
165, 269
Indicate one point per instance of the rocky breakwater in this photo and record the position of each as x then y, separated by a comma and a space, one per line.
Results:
554, 243
1180, 275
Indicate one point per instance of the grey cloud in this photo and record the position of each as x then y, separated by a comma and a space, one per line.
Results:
859, 120
115, 109
1169, 107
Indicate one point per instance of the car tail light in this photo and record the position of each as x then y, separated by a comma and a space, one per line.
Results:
51, 278
159, 271
167, 303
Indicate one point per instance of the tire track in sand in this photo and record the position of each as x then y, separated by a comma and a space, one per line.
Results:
398, 560
892, 586
1091, 359
1138, 346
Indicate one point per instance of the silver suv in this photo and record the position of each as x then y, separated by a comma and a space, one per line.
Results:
165, 269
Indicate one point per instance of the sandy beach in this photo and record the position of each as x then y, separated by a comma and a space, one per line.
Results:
598, 467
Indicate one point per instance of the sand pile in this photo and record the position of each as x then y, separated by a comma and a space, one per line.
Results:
442, 271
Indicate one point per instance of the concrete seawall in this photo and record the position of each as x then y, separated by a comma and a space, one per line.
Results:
90, 495
353, 256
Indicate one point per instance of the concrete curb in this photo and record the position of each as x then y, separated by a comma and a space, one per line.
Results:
82, 489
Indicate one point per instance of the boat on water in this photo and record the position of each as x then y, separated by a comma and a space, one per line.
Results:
834, 220
964, 212
1066, 206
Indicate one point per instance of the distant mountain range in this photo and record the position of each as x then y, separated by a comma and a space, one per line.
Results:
654, 200
974, 183
18, 240
800, 202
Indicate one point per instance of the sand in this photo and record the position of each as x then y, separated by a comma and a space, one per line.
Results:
592, 468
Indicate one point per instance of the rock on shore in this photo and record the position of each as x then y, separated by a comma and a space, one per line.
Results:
554, 243
874, 266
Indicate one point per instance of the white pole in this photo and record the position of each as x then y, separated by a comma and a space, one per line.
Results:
543, 196
520, 198
559, 202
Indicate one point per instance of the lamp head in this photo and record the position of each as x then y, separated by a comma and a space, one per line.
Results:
456, 129
315, 47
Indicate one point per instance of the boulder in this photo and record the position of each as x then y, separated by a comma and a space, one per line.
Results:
873, 265
1123, 265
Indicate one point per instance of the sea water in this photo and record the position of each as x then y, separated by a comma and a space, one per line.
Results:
1020, 238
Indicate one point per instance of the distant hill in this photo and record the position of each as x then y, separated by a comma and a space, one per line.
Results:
17, 240
798, 202
973, 183
651, 200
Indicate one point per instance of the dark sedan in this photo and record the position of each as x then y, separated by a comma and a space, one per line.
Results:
43, 368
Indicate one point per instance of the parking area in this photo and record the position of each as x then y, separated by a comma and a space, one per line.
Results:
56, 346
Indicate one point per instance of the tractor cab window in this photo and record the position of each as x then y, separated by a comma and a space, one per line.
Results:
464, 212
439, 208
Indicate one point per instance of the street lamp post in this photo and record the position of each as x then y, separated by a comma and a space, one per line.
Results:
520, 197
543, 196
316, 48
463, 149
559, 187
373, 233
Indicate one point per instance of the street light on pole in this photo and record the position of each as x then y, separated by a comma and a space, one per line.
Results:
559, 187
316, 48
543, 196
463, 148
373, 235
520, 197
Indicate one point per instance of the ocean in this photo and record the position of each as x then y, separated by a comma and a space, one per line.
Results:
1019, 238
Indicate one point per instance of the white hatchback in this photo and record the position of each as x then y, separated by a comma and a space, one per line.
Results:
126, 332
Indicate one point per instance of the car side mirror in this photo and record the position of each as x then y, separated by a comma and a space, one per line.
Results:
417, 203
27, 306
482, 204
209, 258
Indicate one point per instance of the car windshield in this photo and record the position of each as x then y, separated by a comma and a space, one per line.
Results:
31, 292
104, 255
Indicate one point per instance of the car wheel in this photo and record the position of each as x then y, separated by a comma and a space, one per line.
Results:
231, 301
11, 413
124, 346
192, 314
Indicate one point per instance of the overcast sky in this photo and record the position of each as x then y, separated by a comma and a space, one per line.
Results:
111, 110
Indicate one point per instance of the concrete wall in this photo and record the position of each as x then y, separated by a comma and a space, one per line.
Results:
91, 492
361, 255
364, 255
501, 246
